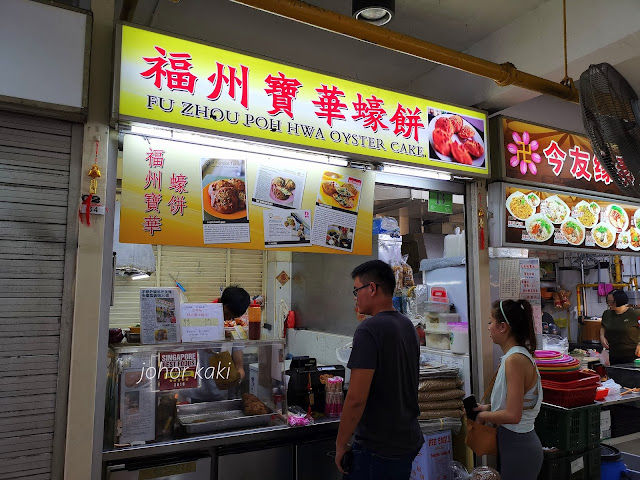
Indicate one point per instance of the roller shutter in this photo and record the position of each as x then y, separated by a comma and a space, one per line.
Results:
39, 165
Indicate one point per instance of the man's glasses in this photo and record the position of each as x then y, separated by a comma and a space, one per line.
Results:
356, 290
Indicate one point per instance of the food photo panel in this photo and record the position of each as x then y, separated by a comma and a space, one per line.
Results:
455, 138
224, 201
279, 187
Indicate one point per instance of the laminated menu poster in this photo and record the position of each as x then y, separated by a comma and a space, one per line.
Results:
279, 187
336, 213
224, 201
201, 322
137, 400
159, 315
551, 219
177, 370
520, 280
286, 228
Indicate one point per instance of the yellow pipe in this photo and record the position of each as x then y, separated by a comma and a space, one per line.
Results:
503, 74
616, 261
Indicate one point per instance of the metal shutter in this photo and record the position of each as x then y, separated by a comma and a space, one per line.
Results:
37, 267
201, 271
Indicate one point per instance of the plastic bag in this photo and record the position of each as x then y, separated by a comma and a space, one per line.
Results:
407, 273
555, 343
458, 471
484, 473
386, 226
604, 357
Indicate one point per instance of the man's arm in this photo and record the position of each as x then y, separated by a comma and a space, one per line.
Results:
353, 408
238, 361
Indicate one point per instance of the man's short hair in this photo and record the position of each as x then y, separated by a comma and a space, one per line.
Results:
236, 299
378, 272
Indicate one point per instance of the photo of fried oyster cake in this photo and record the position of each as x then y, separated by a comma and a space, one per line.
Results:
282, 188
228, 195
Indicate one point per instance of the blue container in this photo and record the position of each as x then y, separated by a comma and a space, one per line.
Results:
397, 304
611, 464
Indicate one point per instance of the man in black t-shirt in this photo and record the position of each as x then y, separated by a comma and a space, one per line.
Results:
381, 406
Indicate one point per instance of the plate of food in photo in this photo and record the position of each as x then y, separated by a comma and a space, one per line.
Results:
573, 231
455, 140
636, 218
555, 209
624, 240
225, 198
329, 175
604, 234
586, 213
282, 190
339, 194
161, 335
539, 227
617, 217
634, 239
519, 207
534, 199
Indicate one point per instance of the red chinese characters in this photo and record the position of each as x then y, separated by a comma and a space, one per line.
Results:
555, 157
329, 104
153, 201
232, 81
581, 160
177, 204
154, 179
178, 183
407, 122
178, 77
599, 172
152, 224
283, 91
155, 158
371, 111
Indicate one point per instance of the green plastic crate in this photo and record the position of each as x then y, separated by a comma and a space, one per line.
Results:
563, 465
568, 428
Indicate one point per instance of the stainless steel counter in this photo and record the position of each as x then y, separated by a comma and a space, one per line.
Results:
279, 433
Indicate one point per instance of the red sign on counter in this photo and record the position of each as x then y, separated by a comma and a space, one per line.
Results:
177, 370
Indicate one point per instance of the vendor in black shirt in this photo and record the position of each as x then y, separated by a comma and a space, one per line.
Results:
620, 329
381, 406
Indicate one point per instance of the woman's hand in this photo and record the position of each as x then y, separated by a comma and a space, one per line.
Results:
603, 339
482, 408
638, 351
481, 418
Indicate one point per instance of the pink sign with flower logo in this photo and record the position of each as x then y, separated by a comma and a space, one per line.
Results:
544, 155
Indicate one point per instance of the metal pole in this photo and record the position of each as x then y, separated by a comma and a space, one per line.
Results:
503, 74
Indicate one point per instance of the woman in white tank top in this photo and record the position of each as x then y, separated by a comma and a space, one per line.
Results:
517, 392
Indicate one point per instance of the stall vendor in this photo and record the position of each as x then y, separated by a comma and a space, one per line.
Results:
235, 301
620, 330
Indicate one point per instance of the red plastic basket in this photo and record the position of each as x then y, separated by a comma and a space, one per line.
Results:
568, 397
565, 380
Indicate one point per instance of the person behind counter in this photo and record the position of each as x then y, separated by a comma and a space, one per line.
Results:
620, 329
517, 392
382, 402
235, 302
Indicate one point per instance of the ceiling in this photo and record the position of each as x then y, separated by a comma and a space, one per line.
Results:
527, 33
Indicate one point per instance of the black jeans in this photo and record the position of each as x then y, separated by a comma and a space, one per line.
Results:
368, 465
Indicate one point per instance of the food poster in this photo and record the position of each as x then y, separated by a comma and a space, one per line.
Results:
159, 315
137, 399
224, 201
201, 322
456, 138
281, 188
553, 219
172, 210
520, 280
336, 214
177, 370
284, 228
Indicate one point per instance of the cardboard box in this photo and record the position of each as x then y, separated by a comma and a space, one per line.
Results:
433, 462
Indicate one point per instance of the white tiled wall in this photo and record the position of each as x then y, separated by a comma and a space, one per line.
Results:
319, 345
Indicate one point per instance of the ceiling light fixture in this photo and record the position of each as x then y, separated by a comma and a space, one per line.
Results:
416, 172
376, 12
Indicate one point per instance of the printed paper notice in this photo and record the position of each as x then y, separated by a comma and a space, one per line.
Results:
279, 187
287, 228
202, 322
224, 201
509, 277
137, 401
160, 315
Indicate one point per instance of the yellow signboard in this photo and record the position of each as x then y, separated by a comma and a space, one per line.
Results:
178, 82
176, 193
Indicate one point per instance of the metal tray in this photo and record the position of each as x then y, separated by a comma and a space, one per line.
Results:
217, 416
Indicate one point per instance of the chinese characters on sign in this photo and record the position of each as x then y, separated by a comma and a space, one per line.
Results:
180, 82
152, 223
544, 155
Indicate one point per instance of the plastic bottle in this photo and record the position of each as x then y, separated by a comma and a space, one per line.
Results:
255, 321
459, 337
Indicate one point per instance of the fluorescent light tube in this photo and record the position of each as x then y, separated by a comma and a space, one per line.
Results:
139, 276
416, 172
